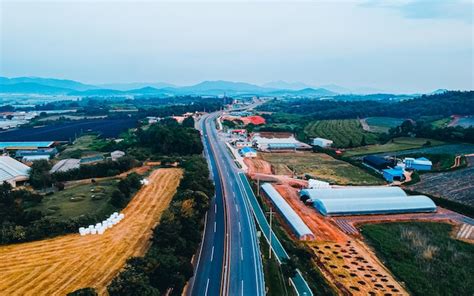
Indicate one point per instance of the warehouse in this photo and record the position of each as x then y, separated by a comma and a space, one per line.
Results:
418, 164
13, 171
248, 152
323, 143
369, 206
395, 174
65, 165
25, 145
351, 192
377, 162
268, 141
291, 217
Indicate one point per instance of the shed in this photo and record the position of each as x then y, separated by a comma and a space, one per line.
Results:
395, 174
31, 158
419, 164
321, 142
248, 152
65, 165
116, 154
301, 230
377, 162
351, 192
91, 159
13, 171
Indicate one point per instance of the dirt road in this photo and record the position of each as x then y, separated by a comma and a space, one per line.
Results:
66, 263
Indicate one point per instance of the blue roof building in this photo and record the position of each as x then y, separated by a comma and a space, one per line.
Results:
248, 152
419, 164
395, 174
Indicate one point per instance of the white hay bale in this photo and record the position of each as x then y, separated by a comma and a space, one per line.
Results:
87, 231
93, 231
91, 227
82, 231
121, 215
115, 214
109, 225
101, 230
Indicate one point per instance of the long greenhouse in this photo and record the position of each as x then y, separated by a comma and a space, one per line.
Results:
367, 206
298, 226
352, 192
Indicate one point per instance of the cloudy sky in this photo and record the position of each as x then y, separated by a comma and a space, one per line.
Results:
399, 46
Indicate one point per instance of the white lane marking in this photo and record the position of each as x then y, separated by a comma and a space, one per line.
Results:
240, 229
215, 224
215, 208
212, 253
236, 208
207, 286
242, 287
241, 254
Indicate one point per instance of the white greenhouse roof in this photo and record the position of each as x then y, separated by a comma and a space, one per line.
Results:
11, 168
354, 192
296, 223
367, 206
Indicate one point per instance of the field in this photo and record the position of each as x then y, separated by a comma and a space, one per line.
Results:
68, 131
396, 144
82, 146
60, 265
424, 256
466, 122
457, 185
320, 166
92, 198
342, 132
383, 124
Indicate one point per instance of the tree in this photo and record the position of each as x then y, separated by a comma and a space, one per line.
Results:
288, 268
39, 174
363, 141
188, 122
84, 292
117, 199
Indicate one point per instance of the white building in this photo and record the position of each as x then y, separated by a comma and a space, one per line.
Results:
13, 171
65, 165
324, 143
242, 144
117, 154
248, 152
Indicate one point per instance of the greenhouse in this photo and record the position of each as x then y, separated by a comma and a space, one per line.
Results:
291, 217
351, 193
367, 206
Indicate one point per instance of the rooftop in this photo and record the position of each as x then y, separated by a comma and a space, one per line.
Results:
11, 168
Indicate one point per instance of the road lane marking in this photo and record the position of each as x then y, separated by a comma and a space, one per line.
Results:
207, 286
242, 287
215, 208
237, 208
212, 253
241, 254
240, 229
215, 224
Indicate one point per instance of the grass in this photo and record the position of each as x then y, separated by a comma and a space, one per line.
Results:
82, 146
441, 123
397, 144
383, 124
320, 166
424, 257
78, 200
343, 132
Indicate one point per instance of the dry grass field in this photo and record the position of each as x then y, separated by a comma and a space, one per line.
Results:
61, 265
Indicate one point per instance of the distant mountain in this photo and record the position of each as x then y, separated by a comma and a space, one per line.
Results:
336, 88
32, 88
135, 85
438, 91
280, 84
223, 86
58, 83
307, 92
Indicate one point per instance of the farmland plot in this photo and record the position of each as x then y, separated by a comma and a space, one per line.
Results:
342, 132
60, 265
383, 124
455, 185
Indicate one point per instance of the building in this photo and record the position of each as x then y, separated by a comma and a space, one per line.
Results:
49, 152
418, 164
323, 143
248, 152
317, 184
395, 174
265, 141
25, 145
242, 132
13, 171
377, 162
370, 206
242, 144
298, 226
116, 154
366, 201
31, 158
91, 159
65, 165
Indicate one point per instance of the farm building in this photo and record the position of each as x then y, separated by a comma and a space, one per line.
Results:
277, 141
419, 164
248, 152
395, 174
65, 165
377, 162
368, 206
49, 152
298, 226
323, 143
238, 132
116, 154
31, 158
13, 171
91, 159
242, 144
25, 145
351, 192
317, 184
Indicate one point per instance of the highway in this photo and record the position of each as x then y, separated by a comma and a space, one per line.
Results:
229, 262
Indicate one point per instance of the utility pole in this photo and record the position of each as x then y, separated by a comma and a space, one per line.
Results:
258, 186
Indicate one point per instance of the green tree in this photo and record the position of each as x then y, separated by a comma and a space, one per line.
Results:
84, 292
188, 122
39, 174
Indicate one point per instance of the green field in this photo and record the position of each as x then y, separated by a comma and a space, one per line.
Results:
343, 132
91, 198
82, 146
441, 123
396, 144
424, 257
320, 166
383, 124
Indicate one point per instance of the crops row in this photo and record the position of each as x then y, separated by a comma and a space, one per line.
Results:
343, 132
69, 130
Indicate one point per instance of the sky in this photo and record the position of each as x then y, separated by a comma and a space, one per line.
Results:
397, 46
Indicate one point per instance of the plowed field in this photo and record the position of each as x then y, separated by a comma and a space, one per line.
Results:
64, 264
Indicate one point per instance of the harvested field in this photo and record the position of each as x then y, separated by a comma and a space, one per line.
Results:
457, 185
354, 269
60, 265
258, 165
320, 166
